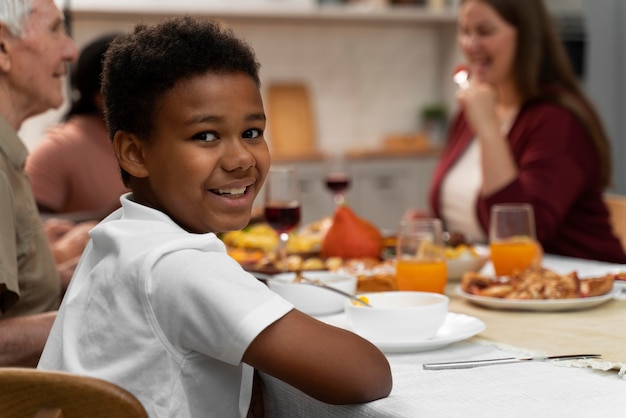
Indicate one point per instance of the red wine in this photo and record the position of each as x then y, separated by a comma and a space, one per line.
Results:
281, 217
337, 182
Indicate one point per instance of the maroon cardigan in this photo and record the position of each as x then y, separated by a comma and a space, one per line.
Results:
558, 175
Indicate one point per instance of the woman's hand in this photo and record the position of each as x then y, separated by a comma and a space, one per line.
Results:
479, 103
55, 228
72, 243
415, 213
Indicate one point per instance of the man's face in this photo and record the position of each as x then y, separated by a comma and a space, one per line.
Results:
207, 159
38, 60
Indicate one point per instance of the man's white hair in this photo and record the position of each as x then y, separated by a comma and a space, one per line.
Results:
13, 14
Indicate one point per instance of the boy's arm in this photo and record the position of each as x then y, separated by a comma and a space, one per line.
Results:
328, 363
23, 339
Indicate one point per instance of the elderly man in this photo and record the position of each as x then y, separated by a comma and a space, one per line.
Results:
34, 53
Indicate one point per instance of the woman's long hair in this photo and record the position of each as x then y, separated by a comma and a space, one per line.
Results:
85, 78
542, 70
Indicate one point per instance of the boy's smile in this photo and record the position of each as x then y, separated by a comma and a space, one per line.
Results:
207, 159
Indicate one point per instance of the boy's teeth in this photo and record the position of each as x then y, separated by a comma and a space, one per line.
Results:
232, 191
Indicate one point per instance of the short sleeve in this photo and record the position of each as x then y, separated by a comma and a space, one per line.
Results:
205, 302
8, 251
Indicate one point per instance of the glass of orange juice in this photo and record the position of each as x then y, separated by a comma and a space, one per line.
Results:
512, 238
420, 256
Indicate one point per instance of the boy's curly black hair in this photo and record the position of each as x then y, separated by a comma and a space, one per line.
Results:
140, 67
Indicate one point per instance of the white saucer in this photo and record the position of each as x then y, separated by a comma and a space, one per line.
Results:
457, 327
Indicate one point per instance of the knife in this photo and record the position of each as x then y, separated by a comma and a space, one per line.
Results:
507, 360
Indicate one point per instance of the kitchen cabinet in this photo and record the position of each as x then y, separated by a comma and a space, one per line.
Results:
381, 189
270, 9
385, 188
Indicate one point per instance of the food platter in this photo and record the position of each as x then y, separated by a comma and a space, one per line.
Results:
544, 305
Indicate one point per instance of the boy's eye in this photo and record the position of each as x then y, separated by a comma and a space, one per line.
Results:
252, 133
206, 136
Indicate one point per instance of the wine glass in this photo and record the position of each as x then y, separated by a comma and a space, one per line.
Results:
282, 206
512, 238
337, 178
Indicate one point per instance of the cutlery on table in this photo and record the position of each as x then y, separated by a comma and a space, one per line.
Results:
477, 363
300, 278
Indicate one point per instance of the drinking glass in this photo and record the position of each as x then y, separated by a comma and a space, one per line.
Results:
282, 206
337, 178
420, 256
512, 238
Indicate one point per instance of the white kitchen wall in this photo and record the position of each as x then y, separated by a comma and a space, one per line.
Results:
367, 77
606, 79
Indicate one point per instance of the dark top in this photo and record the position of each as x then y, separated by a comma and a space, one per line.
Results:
558, 175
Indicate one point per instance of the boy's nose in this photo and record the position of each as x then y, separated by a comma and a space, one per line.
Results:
238, 157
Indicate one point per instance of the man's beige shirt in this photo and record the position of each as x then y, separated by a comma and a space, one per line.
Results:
27, 267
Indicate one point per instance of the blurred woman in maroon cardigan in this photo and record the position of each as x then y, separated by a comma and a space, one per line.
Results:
525, 132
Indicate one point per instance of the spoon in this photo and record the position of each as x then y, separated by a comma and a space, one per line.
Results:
461, 76
300, 278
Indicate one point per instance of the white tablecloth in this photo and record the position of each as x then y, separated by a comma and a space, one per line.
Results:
514, 390
529, 389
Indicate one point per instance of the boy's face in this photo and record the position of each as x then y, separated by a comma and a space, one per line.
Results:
208, 158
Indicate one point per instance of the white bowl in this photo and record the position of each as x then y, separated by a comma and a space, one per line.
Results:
398, 316
458, 266
310, 299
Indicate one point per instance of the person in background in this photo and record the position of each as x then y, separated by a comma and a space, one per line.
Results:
73, 169
172, 318
34, 54
525, 132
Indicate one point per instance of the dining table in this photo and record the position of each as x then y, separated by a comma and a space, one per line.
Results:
589, 387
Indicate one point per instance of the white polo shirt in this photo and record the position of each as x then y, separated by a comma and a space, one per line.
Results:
164, 313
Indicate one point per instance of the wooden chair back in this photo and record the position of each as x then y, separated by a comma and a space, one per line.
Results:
617, 210
27, 393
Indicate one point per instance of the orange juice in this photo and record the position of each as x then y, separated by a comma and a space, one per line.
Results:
513, 255
421, 275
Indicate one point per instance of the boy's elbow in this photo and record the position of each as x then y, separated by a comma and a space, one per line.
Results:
374, 382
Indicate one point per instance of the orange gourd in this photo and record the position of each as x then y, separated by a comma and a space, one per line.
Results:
351, 237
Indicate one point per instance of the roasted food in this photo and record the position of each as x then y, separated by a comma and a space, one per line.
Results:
536, 283
596, 286
350, 236
372, 274
270, 264
257, 243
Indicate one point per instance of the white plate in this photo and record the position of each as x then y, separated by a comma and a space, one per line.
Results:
457, 327
575, 304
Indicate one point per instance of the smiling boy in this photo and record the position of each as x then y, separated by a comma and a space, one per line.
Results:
156, 305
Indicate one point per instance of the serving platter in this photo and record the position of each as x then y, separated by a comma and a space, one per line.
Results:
457, 327
543, 305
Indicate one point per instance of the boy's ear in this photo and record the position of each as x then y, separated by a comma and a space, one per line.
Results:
129, 152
